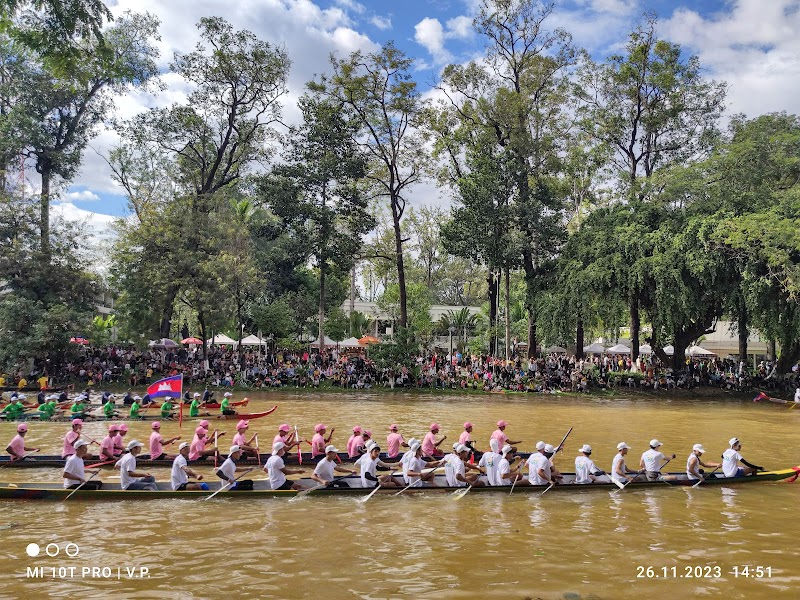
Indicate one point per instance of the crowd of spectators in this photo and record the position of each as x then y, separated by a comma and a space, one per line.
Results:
275, 368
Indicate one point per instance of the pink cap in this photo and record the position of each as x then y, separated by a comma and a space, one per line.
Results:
113, 427
501, 423
357, 429
367, 433
243, 424
467, 425
393, 427
155, 425
320, 427
123, 427
77, 422
200, 430
435, 427
204, 424
22, 427
284, 427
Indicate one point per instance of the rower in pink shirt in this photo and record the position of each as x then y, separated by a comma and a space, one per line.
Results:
285, 437
17, 448
466, 435
240, 439
157, 442
393, 442
349, 447
500, 435
119, 441
107, 445
198, 447
72, 436
430, 447
319, 441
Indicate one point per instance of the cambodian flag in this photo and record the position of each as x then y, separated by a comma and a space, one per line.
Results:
171, 386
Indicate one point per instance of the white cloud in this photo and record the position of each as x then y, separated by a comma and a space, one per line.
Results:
382, 23
352, 5
429, 33
619, 7
81, 196
460, 28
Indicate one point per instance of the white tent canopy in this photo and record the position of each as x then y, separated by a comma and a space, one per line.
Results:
253, 340
619, 349
645, 349
669, 350
594, 348
698, 351
328, 342
555, 350
221, 338
350, 343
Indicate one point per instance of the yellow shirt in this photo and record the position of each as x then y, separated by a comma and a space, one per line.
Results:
22, 383
2, 381
43, 382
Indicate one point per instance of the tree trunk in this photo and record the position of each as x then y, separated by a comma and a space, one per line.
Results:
531, 335
772, 350
790, 353
490, 279
44, 213
635, 324
508, 315
321, 314
744, 331
401, 271
201, 321
353, 301
579, 340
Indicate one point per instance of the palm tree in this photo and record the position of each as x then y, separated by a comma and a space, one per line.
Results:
461, 320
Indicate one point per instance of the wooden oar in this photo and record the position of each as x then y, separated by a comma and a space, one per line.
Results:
227, 485
87, 480
548, 489
702, 479
410, 484
560, 446
306, 492
637, 475
521, 476
258, 452
377, 487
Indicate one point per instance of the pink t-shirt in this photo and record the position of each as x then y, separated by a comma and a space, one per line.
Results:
17, 445
465, 438
198, 445
156, 441
317, 445
349, 446
500, 436
239, 440
107, 447
69, 439
278, 438
117, 445
358, 441
429, 444
393, 441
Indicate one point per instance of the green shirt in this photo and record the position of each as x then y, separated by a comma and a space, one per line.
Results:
224, 405
15, 409
166, 409
134, 414
194, 409
77, 408
108, 409
48, 409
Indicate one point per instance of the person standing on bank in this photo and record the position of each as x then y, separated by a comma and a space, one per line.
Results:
651, 461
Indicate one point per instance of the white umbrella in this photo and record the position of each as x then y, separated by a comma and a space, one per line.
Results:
328, 342
698, 351
221, 338
350, 343
594, 348
619, 349
253, 340
646, 349
669, 350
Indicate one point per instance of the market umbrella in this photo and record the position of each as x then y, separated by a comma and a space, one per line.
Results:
192, 340
698, 351
368, 339
594, 348
619, 349
554, 350
163, 343
253, 340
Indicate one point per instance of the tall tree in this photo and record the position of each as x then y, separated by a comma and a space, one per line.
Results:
382, 94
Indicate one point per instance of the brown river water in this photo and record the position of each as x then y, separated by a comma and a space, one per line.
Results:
587, 545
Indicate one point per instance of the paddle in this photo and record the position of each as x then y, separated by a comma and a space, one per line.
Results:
377, 487
560, 446
622, 487
299, 452
227, 485
521, 476
306, 492
548, 488
258, 452
410, 484
216, 450
90, 478
702, 479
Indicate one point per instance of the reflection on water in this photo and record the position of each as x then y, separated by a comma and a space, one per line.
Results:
586, 544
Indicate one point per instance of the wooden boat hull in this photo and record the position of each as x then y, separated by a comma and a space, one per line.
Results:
40, 491
154, 416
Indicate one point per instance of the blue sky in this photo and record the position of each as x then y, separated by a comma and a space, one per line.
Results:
754, 45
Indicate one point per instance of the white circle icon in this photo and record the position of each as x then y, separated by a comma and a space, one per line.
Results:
71, 549
52, 550
32, 550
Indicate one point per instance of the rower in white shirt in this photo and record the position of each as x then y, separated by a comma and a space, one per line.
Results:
181, 472
539, 468
323, 472
490, 461
731, 459
694, 462
652, 460
417, 477
406, 459
507, 474
619, 470
585, 469
455, 471
74, 472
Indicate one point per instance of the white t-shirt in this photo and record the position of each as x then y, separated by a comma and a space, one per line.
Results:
179, 476
228, 470
490, 461
797, 395
503, 468
653, 459
273, 468
416, 465
537, 461
324, 469
368, 465
454, 468
404, 462
691, 466
127, 465
584, 466
618, 463
730, 462
74, 466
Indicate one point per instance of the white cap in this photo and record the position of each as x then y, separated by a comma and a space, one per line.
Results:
415, 446
370, 444
733, 441
586, 448
21, 397
184, 445
549, 448
540, 445
80, 444
137, 397
236, 448
698, 448
654, 443
622, 445
412, 441
461, 448
227, 394
331, 448
456, 445
494, 444
196, 395
135, 444
276, 447
506, 449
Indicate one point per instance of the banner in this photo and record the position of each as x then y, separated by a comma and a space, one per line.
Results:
171, 386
